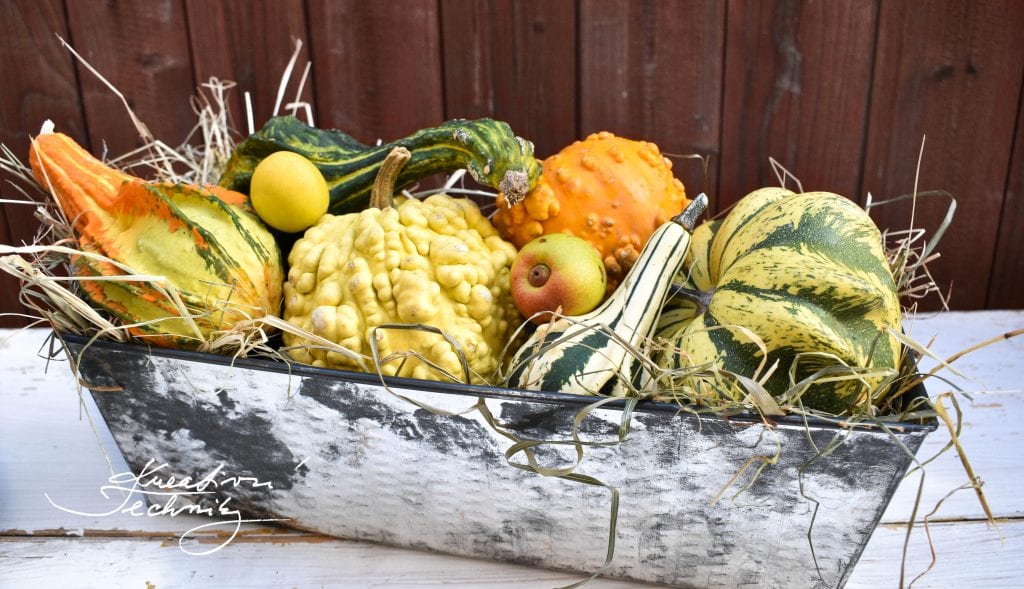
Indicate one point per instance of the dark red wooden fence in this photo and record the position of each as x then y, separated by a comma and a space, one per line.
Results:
842, 93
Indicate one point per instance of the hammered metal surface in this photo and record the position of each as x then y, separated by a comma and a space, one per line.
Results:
355, 460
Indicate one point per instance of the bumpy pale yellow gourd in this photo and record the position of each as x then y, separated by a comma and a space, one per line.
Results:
437, 262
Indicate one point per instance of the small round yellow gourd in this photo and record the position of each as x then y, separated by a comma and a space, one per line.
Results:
288, 192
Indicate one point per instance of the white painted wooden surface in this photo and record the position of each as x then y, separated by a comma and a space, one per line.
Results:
53, 447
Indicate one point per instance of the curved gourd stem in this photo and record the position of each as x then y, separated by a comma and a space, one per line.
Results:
701, 298
688, 218
383, 192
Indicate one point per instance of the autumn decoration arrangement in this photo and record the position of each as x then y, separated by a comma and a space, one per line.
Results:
591, 272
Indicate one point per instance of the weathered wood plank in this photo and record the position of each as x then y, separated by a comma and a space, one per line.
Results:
968, 554
378, 66
652, 71
993, 377
250, 43
1006, 285
141, 47
988, 416
38, 84
305, 561
797, 80
514, 61
951, 75
39, 80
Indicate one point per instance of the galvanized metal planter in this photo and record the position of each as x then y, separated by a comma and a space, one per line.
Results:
347, 456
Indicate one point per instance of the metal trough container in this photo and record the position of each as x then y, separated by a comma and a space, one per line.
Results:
348, 457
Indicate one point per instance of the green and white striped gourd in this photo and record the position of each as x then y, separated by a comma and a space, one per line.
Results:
807, 273
580, 354
492, 154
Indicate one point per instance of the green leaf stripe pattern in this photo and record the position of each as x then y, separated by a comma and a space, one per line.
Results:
807, 273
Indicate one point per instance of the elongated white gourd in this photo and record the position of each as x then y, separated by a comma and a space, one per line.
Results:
589, 354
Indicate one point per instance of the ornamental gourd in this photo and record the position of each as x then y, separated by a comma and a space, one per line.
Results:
807, 273
488, 149
362, 279
221, 261
611, 191
590, 354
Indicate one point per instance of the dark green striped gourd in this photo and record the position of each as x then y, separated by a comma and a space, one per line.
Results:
579, 354
488, 149
807, 273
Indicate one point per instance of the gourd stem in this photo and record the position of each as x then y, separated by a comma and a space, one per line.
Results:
383, 193
700, 297
688, 218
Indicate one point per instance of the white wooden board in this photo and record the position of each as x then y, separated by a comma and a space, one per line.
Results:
993, 434
969, 555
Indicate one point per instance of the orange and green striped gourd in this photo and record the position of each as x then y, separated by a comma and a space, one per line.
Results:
214, 253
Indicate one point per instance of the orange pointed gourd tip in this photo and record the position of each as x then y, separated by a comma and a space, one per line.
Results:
83, 186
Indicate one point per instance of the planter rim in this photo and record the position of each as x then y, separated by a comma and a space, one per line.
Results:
488, 392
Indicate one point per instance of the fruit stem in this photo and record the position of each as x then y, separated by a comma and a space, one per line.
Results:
688, 218
383, 193
700, 297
